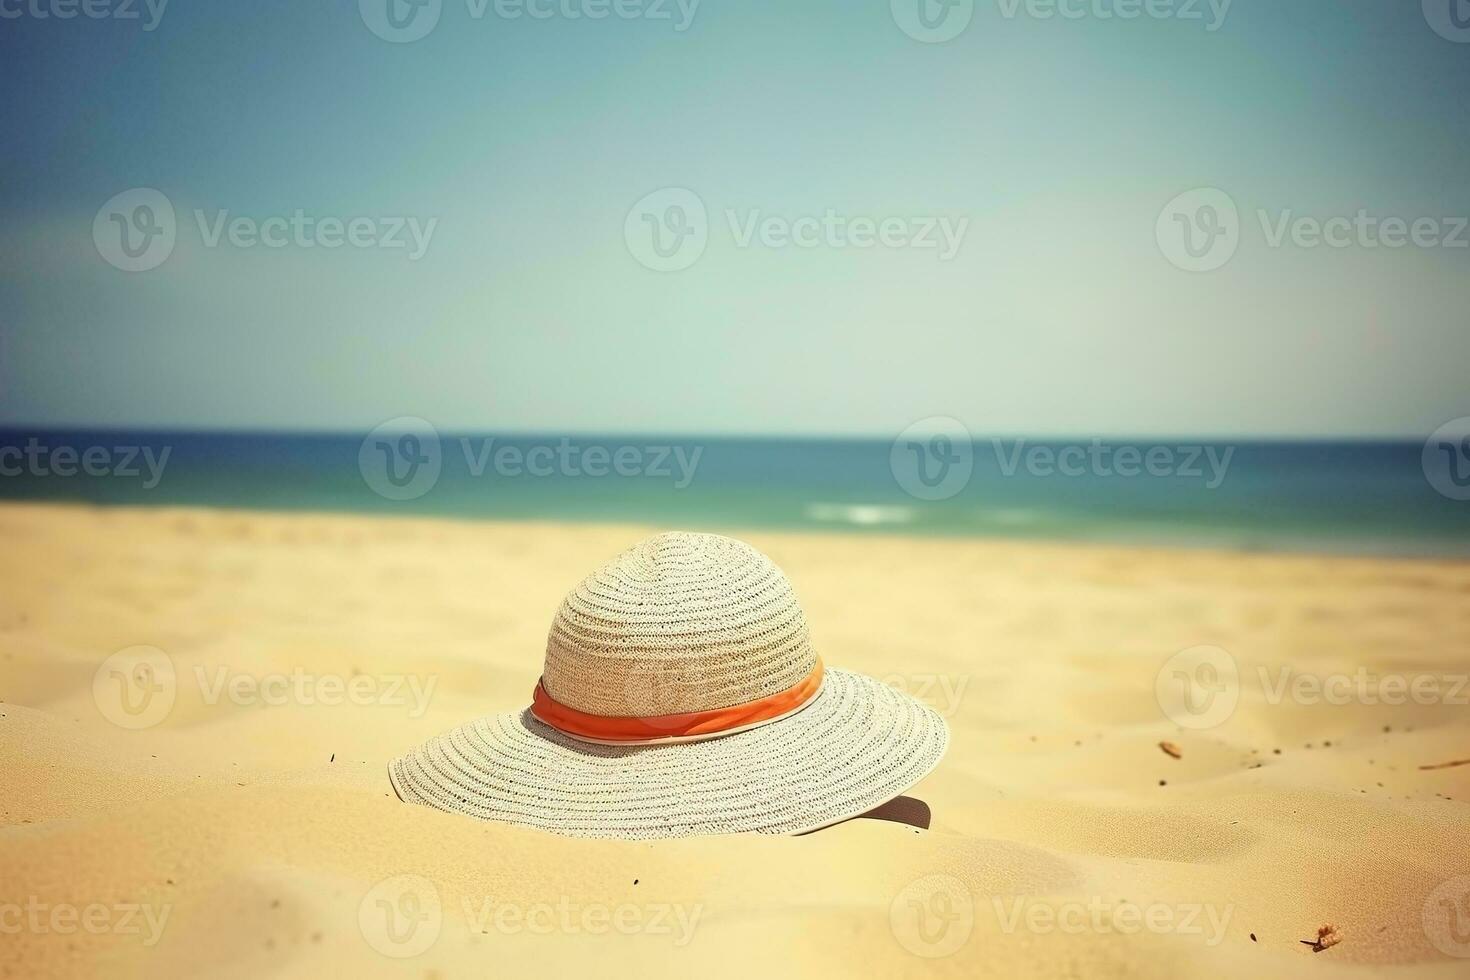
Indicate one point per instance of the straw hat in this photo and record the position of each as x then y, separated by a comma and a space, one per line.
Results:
681, 696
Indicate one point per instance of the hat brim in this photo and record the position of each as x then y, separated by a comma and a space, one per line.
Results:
857, 745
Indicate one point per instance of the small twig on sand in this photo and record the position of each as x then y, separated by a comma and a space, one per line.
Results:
1447, 765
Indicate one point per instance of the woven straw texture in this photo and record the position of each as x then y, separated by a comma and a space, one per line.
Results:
682, 622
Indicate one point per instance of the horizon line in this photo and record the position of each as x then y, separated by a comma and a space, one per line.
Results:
7, 428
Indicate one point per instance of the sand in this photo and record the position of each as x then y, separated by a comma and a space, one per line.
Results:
249, 829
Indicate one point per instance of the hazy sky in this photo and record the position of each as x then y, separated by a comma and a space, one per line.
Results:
1048, 147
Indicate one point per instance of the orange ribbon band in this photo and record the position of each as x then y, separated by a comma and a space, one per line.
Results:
686, 726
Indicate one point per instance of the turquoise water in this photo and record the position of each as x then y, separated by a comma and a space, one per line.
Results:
1357, 497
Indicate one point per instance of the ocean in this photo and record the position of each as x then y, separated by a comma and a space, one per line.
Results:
1375, 498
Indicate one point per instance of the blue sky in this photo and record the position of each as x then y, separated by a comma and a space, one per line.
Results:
519, 146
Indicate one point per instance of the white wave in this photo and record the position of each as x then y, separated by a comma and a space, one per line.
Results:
866, 515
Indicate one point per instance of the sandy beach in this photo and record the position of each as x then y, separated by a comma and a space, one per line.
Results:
229, 815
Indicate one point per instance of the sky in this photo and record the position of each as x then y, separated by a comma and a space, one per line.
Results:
756, 217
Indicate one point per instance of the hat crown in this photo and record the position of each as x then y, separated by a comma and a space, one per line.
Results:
678, 623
